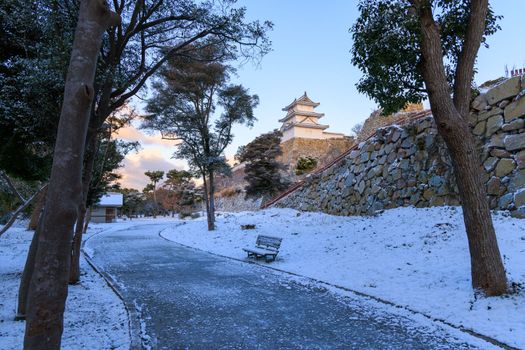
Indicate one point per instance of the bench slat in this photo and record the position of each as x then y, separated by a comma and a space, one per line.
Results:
265, 246
260, 251
269, 241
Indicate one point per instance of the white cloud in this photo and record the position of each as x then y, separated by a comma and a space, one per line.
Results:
150, 158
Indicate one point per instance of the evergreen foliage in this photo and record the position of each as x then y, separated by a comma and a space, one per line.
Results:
185, 106
263, 171
108, 159
305, 165
387, 48
34, 54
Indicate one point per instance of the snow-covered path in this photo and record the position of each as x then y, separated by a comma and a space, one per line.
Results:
190, 299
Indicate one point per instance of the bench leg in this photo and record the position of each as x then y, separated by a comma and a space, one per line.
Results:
269, 258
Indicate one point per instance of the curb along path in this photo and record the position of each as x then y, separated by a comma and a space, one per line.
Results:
133, 318
468, 331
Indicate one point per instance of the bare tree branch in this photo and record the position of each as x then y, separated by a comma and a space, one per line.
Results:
467, 57
11, 186
20, 209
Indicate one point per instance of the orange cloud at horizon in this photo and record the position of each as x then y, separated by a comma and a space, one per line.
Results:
154, 154
150, 158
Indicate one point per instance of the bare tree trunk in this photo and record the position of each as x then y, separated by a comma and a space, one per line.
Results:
89, 161
488, 273
155, 207
87, 220
37, 210
207, 201
74, 272
49, 282
211, 197
27, 274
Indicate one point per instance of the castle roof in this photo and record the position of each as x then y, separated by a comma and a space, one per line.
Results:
303, 100
302, 125
293, 113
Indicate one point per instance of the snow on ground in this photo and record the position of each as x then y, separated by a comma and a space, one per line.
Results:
417, 258
95, 317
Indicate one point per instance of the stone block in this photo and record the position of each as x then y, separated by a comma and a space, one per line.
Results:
437, 201
500, 153
507, 89
497, 141
505, 166
494, 123
404, 164
480, 102
489, 113
503, 104
520, 159
353, 154
517, 181
519, 198
506, 200
514, 125
515, 110
518, 213
424, 124
494, 186
490, 163
361, 187
396, 134
479, 129
365, 157
436, 181
407, 142
514, 142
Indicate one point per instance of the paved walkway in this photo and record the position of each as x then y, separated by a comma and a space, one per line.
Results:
194, 300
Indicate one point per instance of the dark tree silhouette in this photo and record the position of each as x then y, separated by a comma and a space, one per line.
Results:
263, 171
48, 286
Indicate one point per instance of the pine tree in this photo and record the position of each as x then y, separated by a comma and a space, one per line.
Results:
184, 108
155, 177
262, 168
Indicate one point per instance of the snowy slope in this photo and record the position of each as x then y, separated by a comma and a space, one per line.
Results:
413, 257
95, 317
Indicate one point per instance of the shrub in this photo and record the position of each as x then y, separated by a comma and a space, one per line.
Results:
305, 165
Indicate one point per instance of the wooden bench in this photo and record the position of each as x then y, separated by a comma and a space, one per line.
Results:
266, 247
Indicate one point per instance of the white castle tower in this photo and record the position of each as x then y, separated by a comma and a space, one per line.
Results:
301, 121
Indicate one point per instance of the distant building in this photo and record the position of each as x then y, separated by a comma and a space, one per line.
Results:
517, 72
303, 136
107, 208
301, 121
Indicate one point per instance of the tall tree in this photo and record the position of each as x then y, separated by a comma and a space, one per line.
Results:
150, 33
48, 287
33, 63
176, 181
133, 201
155, 177
263, 171
412, 49
108, 159
184, 108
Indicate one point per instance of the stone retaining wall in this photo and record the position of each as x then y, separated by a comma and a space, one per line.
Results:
237, 203
410, 165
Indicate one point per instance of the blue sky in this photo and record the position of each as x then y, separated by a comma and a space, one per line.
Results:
311, 45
